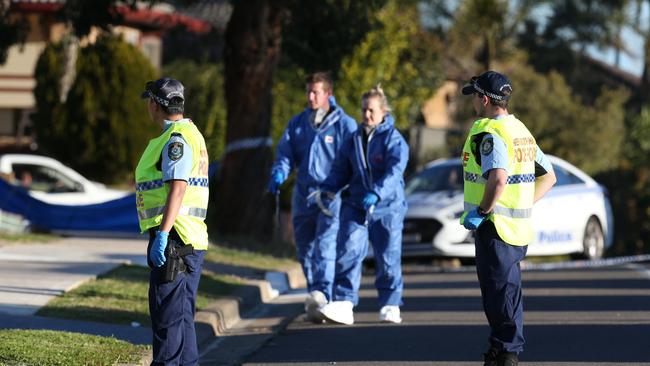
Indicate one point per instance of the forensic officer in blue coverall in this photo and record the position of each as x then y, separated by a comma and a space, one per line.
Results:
310, 144
505, 173
172, 200
372, 166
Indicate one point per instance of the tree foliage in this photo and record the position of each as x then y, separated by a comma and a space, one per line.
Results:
478, 33
50, 118
317, 37
12, 30
289, 98
103, 125
564, 126
629, 188
401, 56
83, 15
204, 100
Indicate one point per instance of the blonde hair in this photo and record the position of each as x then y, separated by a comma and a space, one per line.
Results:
377, 92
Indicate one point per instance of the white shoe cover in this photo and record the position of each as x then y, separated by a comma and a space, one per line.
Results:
313, 302
390, 314
339, 312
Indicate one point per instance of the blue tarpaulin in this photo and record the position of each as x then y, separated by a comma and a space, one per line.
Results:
116, 216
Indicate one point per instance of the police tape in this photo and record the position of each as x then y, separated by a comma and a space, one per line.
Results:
248, 143
577, 264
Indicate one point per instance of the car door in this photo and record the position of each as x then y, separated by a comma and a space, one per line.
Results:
557, 218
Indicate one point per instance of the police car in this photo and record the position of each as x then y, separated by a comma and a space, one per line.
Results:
50, 181
574, 217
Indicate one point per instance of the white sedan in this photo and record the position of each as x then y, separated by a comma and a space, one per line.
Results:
50, 181
574, 217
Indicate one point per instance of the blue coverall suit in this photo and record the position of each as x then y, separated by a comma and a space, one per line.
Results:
376, 167
312, 150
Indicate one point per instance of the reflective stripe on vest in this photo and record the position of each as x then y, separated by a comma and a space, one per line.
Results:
513, 210
517, 213
151, 191
188, 211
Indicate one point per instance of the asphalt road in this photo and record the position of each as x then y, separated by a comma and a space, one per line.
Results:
589, 316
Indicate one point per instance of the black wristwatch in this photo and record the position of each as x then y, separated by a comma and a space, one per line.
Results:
481, 211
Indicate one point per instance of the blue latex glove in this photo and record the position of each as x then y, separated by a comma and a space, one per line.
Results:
276, 181
157, 252
473, 220
370, 199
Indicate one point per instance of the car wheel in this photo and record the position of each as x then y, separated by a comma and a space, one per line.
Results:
594, 240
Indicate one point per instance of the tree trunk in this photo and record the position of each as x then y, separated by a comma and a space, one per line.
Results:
252, 50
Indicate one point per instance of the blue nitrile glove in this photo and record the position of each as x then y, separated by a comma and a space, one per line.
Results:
276, 181
157, 252
473, 220
370, 199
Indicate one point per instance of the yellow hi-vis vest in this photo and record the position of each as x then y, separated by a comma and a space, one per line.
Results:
513, 211
151, 191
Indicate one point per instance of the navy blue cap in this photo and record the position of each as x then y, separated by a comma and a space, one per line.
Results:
165, 91
490, 83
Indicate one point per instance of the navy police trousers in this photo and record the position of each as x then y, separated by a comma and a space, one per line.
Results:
499, 274
172, 308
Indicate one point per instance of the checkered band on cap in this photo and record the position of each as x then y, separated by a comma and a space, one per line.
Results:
491, 95
158, 99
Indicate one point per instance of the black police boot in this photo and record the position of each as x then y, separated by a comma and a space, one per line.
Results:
507, 359
490, 357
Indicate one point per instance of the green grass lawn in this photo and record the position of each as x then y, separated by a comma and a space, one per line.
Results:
46, 347
120, 296
28, 238
274, 248
244, 258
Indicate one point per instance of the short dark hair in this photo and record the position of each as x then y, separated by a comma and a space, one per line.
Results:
503, 103
321, 77
175, 107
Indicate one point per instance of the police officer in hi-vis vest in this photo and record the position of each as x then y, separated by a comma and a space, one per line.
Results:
505, 173
172, 201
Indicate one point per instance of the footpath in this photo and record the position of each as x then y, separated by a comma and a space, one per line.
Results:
31, 274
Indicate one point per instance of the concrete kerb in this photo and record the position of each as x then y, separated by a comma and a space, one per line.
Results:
222, 314
219, 316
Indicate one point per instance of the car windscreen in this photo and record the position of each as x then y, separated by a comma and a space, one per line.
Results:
41, 178
564, 177
434, 179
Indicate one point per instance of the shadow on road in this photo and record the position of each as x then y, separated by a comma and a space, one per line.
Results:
590, 326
